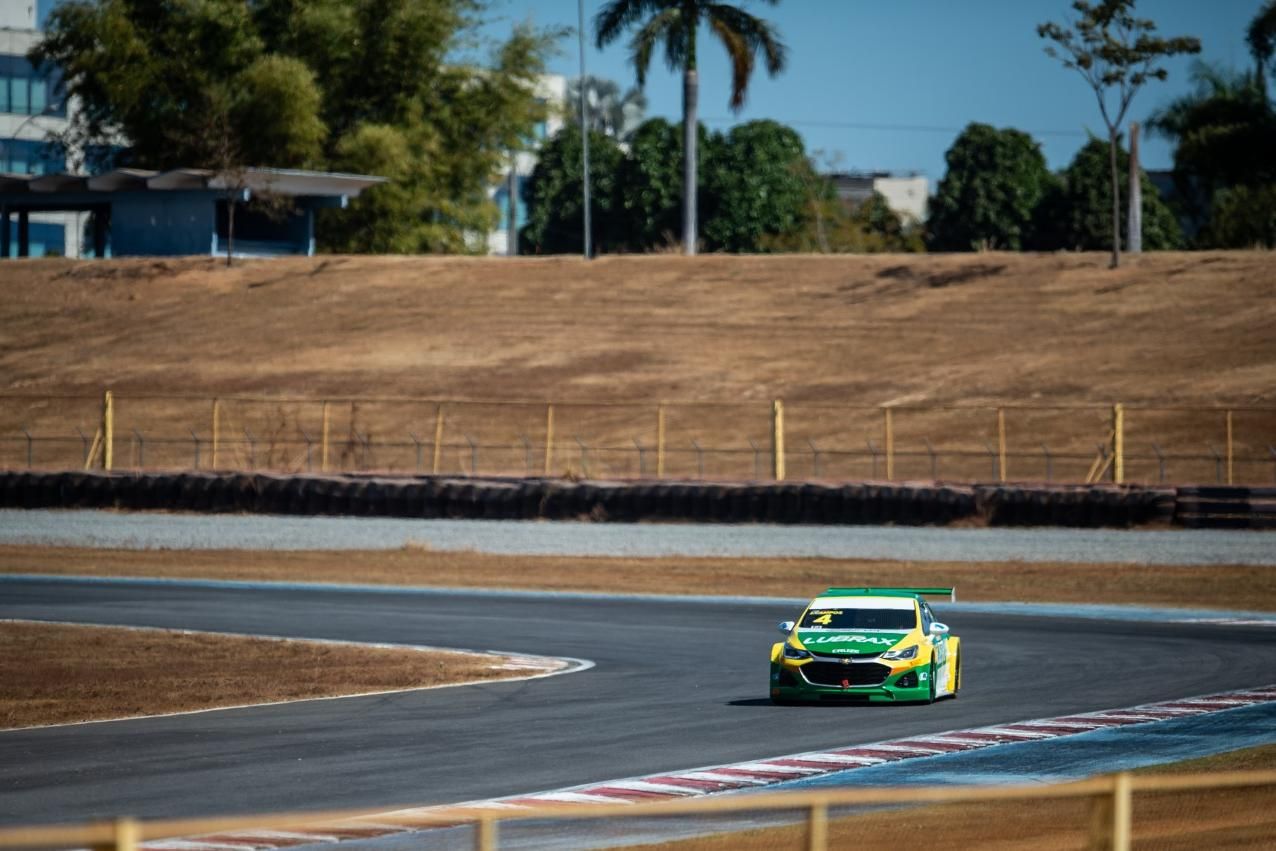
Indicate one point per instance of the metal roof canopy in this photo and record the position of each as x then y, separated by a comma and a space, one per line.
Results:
71, 191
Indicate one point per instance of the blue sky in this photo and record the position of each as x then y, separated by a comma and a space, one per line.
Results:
862, 72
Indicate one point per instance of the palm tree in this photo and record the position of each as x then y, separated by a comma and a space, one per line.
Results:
676, 24
1261, 37
610, 112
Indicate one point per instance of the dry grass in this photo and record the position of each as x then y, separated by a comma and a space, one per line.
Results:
1242, 818
1221, 586
918, 330
53, 674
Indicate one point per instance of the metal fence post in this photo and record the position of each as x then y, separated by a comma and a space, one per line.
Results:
1218, 464
584, 456
934, 459
323, 440
699, 457
417, 441
817, 827
1001, 444
217, 422
438, 440
473, 455
872, 450
815, 457
992, 459
660, 442
1118, 443
1045, 450
527, 454
888, 426
108, 430
1230, 453
777, 440
642, 458
141, 448
29, 448
549, 439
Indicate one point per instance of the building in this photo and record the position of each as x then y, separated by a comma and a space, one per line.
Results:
551, 90
908, 195
31, 108
179, 212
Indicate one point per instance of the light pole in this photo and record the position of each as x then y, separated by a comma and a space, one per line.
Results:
584, 128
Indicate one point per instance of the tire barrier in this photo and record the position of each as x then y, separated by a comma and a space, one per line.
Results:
1226, 508
703, 502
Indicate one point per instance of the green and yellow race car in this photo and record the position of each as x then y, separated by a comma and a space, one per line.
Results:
867, 645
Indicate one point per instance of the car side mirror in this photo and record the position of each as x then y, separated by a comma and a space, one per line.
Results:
938, 628
786, 627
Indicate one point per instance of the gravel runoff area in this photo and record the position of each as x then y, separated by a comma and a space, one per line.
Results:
65, 673
155, 530
1232, 587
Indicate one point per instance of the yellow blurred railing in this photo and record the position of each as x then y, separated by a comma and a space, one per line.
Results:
1110, 824
765, 439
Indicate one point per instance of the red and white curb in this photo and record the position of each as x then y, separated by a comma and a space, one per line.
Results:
754, 774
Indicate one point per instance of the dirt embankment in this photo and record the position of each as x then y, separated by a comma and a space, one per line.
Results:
922, 332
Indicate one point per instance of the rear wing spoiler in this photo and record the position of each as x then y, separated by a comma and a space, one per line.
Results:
950, 593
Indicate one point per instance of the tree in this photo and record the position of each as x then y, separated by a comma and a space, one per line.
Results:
1224, 135
1113, 50
1261, 37
398, 85
1242, 217
754, 186
610, 112
649, 185
1076, 212
994, 182
555, 211
676, 23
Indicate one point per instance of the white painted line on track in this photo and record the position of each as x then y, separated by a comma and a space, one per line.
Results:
554, 666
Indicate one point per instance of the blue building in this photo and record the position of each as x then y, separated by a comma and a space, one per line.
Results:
132, 212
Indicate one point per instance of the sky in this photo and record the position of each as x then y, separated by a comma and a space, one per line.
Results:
876, 85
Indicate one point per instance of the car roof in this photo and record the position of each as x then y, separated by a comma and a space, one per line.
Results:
862, 601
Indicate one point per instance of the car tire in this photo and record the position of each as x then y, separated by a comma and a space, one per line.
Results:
957, 678
931, 678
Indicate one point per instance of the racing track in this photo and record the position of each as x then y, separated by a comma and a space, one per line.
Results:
676, 685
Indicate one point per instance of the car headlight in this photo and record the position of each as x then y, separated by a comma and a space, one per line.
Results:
905, 653
795, 653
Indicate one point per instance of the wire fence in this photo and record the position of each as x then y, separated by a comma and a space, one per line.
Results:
681, 440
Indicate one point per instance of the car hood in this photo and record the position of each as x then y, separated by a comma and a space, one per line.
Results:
834, 642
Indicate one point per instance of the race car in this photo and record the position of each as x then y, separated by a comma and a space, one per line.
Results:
858, 645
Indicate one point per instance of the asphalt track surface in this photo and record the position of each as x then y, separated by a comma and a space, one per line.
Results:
677, 684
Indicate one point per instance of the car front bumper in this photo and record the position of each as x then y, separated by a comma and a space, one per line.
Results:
902, 684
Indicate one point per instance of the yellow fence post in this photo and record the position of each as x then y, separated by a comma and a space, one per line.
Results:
777, 440
1118, 443
323, 438
888, 427
1001, 444
660, 442
438, 440
217, 430
817, 827
485, 834
108, 430
549, 438
1230, 454
125, 835
1122, 807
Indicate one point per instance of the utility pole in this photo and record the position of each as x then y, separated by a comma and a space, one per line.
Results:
584, 129
1134, 223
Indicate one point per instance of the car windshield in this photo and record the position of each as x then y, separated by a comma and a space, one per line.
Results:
847, 618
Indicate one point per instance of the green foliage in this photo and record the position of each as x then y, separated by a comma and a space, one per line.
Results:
753, 186
649, 186
556, 220
833, 226
1242, 217
674, 24
382, 86
994, 182
1076, 214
